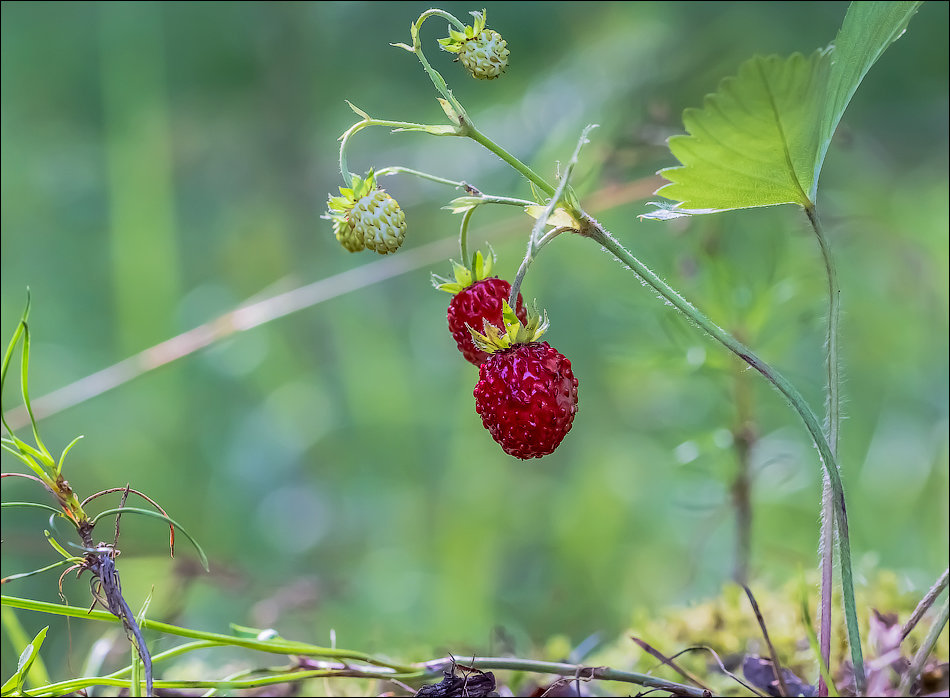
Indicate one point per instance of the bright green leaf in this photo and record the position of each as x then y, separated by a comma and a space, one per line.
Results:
761, 139
754, 142
868, 29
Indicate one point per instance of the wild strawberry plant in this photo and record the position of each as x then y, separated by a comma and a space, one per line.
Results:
760, 140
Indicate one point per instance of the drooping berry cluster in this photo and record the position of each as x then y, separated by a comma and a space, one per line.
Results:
366, 217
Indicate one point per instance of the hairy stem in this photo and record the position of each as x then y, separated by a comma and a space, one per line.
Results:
832, 424
595, 231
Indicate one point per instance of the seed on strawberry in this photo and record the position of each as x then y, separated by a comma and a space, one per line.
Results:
477, 297
482, 51
527, 398
365, 216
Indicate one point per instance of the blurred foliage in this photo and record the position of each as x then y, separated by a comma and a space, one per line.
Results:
164, 162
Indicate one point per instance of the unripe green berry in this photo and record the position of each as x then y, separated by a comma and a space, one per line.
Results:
379, 220
485, 56
366, 217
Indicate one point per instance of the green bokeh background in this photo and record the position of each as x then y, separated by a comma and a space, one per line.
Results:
164, 162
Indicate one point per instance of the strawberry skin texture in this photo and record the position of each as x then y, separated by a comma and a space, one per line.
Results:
527, 398
478, 302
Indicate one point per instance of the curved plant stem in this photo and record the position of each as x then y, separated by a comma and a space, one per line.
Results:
434, 74
596, 232
432, 129
832, 424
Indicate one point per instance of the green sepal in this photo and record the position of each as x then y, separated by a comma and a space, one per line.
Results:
339, 206
450, 111
432, 129
465, 276
456, 39
482, 265
494, 339
357, 110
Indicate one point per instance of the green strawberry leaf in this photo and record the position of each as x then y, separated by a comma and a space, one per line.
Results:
761, 139
868, 29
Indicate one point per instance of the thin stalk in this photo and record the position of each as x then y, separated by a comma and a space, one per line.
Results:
581, 672
917, 664
743, 439
533, 248
272, 646
925, 603
599, 234
832, 424
395, 169
434, 75
463, 235
434, 129
527, 172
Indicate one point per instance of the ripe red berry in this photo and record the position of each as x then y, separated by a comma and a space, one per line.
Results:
474, 304
527, 398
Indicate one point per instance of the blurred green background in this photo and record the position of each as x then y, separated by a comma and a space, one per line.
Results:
164, 162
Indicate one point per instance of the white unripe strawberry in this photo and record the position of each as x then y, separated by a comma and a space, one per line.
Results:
366, 217
482, 51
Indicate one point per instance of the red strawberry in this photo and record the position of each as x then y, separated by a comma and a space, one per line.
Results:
477, 297
526, 392
527, 397
472, 306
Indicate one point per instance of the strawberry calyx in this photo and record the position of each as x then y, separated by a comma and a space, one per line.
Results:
492, 339
465, 276
454, 42
339, 206
482, 51
366, 217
